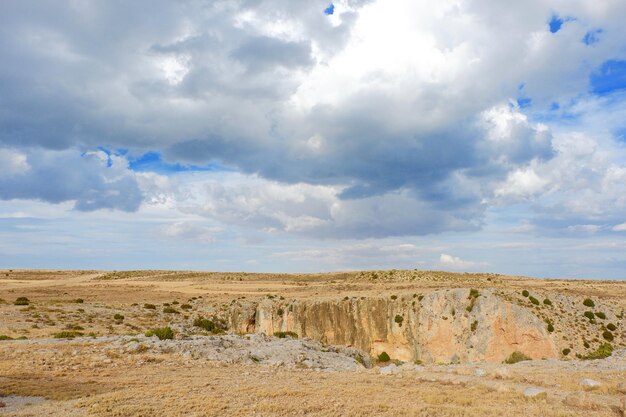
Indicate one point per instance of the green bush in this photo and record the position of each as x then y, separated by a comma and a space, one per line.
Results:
547, 302
525, 293
383, 357
611, 327
474, 325
282, 335
566, 351
550, 327
5, 337
600, 315
280, 312
516, 357
162, 333
589, 302
394, 297
21, 301
118, 317
589, 315
533, 300
149, 306
604, 351
205, 324
170, 310
186, 307
608, 336
586, 345
473, 293
78, 301
399, 319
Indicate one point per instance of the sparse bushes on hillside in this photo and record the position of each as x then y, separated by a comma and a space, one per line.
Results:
607, 335
149, 306
533, 300
163, 333
517, 357
611, 327
547, 302
170, 310
67, 334
589, 302
205, 324
186, 307
604, 351
525, 293
600, 315
118, 317
383, 357
589, 315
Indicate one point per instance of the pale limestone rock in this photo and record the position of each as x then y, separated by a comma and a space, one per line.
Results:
535, 393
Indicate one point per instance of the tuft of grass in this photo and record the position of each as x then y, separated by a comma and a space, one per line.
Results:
589, 302
149, 306
163, 333
67, 334
383, 357
282, 335
21, 301
516, 357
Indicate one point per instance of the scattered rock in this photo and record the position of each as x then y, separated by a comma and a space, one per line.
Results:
390, 369
480, 372
535, 393
589, 384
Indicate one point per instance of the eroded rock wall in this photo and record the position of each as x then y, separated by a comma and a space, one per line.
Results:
442, 326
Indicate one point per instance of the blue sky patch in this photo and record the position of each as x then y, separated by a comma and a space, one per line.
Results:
592, 37
609, 78
153, 162
556, 23
330, 9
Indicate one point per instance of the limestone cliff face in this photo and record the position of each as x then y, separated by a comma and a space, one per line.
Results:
444, 326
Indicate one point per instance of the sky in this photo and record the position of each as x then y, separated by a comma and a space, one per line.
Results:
303, 135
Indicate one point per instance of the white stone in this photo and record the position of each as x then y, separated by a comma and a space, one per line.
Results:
535, 392
589, 384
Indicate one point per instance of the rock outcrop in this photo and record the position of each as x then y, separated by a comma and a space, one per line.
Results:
448, 326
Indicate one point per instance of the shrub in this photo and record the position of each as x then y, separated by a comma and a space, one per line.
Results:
474, 325
611, 327
566, 351
78, 301
420, 297
600, 315
149, 306
186, 307
170, 310
175, 302
68, 334
162, 333
5, 337
516, 357
205, 324
280, 311
533, 300
608, 336
399, 319
473, 293
604, 351
589, 315
282, 335
383, 357
589, 302
586, 345
550, 327
118, 317
394, 297
21, 301
547, 302
525, 293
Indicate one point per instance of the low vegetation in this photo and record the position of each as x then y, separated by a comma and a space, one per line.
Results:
516, 357
282, 335
604, 351
21, 301
383, 357
163, 333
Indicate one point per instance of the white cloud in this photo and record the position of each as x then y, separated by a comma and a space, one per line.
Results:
619, 227
453, 262
12, 163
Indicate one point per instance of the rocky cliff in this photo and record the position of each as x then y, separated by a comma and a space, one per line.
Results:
457, 325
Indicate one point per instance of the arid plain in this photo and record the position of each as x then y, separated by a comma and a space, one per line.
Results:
371, 343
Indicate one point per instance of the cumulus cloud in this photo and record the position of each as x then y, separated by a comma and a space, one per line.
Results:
453, 262
190, 231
